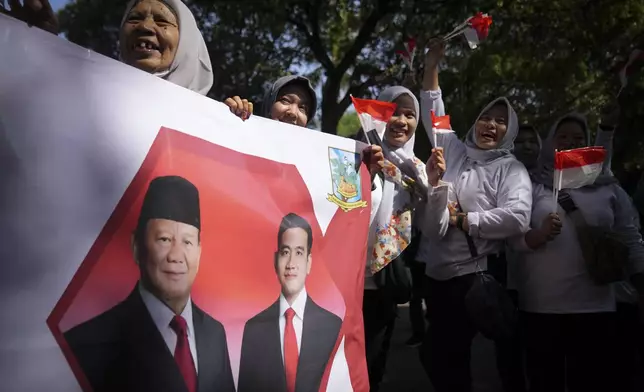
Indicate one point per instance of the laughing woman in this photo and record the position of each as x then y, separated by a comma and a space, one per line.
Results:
482, 198
159, 37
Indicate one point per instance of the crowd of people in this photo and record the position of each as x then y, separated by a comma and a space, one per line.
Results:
491, 248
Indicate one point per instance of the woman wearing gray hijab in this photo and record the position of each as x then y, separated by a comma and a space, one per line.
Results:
527, 146
160, 37
481, 197
569, 318
290, 99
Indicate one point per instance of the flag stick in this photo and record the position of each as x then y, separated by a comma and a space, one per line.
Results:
556, 186
620, 91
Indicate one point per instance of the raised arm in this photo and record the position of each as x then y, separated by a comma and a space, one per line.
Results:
431, 96
431, 99
605, 135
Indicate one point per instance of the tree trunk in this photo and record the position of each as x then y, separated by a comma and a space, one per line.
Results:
331, 110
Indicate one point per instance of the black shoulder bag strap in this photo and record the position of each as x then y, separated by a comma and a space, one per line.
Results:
470, 242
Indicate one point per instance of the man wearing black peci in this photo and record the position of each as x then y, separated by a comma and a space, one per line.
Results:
157, 339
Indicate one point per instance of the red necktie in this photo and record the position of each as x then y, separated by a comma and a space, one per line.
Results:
182, 354
291, 354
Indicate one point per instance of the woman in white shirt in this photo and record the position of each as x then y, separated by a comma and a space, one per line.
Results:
568, 319
493, 190
393, 202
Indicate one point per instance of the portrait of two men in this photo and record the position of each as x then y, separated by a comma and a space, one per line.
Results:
158, 339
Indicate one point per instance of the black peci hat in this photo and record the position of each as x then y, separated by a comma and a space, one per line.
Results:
172, 198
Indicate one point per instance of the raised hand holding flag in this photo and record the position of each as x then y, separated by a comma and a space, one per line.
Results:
374, 116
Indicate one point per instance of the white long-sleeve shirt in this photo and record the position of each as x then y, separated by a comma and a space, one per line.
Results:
497, 197
554, 278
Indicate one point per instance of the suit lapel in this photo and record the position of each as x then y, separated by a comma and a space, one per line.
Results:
274, 349
205, 358
149, 359
308, 363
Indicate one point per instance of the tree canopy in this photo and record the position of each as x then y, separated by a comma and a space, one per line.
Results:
547, 57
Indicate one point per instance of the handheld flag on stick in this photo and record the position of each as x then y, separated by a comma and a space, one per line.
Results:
374, 116
628, 69
440, 124
576, 168
475, 29
409, 53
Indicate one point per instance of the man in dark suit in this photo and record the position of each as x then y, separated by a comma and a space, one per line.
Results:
157, 339
286, 347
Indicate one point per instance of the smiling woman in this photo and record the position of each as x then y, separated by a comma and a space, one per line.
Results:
150, 36
162, 38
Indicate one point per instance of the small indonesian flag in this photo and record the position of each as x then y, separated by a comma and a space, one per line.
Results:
374, 114
409, 53
440, 124
475, 29
629, 68
478, 30
578, 167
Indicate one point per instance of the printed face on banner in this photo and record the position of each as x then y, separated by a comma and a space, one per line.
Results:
178, 244
293, 262
169, 259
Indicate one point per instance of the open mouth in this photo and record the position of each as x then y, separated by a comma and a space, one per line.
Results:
488, 136
145, 46
397, 132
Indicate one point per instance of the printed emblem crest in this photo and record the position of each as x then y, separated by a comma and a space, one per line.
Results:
345, 179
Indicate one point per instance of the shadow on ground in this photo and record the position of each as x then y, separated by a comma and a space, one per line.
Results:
405, 373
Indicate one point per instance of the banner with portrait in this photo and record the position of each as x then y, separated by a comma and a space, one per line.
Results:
154, 241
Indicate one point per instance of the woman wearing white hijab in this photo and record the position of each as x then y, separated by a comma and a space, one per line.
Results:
160, 37
569, 320
486, 195
393, 201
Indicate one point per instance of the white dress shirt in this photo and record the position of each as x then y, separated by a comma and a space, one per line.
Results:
298, 319
162, 315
